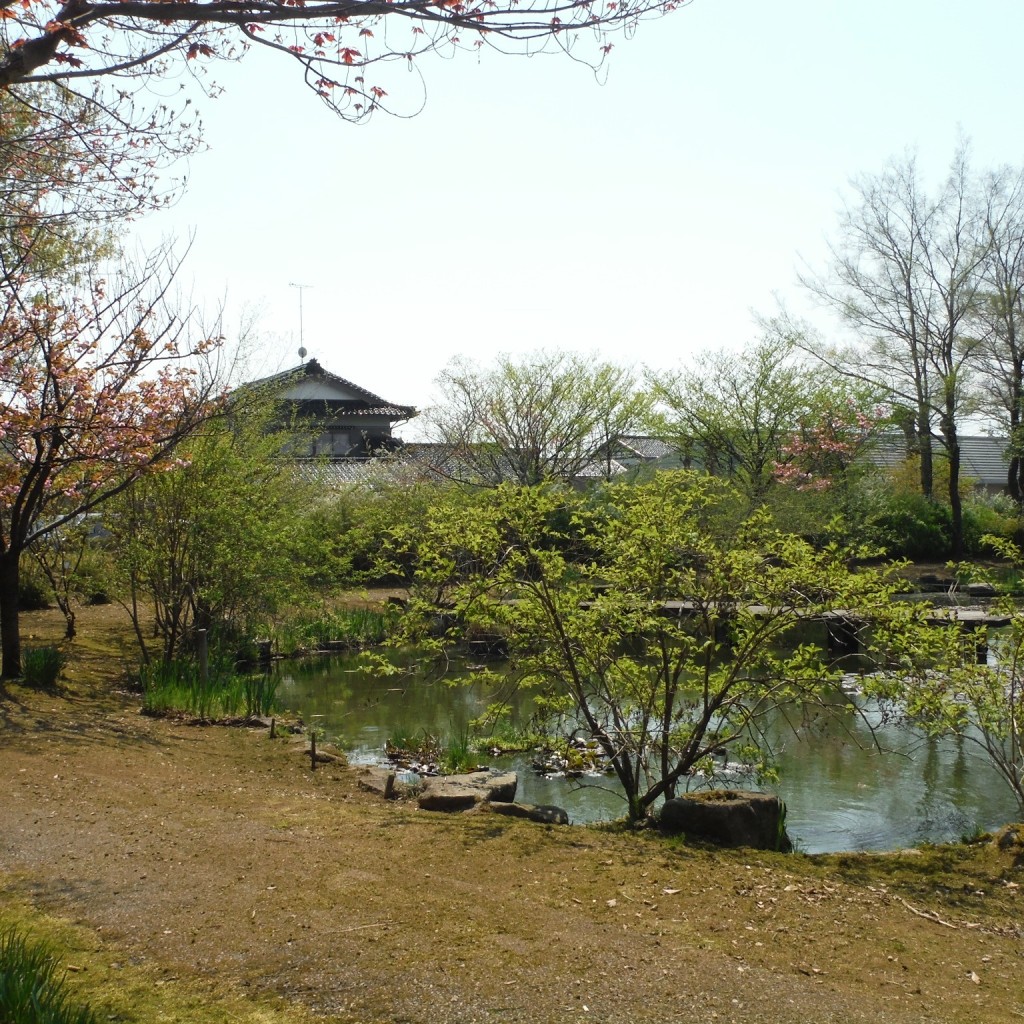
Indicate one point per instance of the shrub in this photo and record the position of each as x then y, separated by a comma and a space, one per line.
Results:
33, 595
986, 514
42, 666
31, 990
913, 527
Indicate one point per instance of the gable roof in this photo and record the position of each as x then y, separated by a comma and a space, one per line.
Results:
311, 382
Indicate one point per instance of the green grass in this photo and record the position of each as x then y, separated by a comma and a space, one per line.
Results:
178, 686
104, 978
32, 988
459, 755
347, 627
41, 666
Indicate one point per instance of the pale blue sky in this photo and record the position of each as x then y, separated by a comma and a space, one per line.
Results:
530, 207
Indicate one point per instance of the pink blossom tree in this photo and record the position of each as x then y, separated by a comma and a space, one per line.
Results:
825, 445
99, 382
344, 49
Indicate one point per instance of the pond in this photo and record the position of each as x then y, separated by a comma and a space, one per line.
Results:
841, 791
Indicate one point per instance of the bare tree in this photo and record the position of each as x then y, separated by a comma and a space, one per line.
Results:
1001, 313
906, 275
547, 417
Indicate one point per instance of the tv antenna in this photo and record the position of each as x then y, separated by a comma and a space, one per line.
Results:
302, 288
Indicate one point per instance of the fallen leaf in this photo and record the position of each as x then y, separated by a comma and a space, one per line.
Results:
974, 978
671, 892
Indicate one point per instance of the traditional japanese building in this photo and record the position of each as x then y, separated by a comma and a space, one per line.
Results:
348, 422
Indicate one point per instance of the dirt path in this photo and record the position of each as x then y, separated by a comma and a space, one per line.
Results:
215, 858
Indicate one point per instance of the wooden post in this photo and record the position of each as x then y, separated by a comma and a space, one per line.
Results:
312, 751
273, 724
204, 656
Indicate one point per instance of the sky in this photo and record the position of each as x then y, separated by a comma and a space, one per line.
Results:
644, 217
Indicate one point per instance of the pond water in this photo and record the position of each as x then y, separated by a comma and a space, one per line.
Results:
841, 791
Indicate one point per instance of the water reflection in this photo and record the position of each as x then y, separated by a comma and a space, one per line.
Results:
858, 783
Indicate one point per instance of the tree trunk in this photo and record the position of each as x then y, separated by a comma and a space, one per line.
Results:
1015, 476
10, 631
955, 505
924, 451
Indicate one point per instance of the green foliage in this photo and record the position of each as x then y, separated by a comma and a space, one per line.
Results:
34, 594
223, 540
915, 527
347, 627
933, 680
989, 515
32, 989
42, 666
578, 589
459, 755
177, 686
743, 418
545, 417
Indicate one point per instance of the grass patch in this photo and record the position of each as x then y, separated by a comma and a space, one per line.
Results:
32, 983
178, 686
41, 666
344, 628
101, 979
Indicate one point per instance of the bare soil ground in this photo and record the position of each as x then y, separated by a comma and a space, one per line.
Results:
206, 874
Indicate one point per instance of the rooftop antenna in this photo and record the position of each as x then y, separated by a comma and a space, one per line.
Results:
302, 346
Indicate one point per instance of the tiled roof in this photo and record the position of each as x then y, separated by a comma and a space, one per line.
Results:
646, 447
982, 458
374, 403
375, 472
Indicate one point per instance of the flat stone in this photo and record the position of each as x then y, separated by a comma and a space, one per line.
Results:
375, 779
544, 814
461, 792
440, 795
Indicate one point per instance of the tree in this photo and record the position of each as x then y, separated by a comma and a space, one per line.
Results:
96, 389
1000, 313
71, 172
741, 415
547, 417
222, 539
578, 589
340, 46
906, 274
936, 683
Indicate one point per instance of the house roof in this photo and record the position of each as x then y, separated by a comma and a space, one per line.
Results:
370, 473
982, 458
311, 382
646, 447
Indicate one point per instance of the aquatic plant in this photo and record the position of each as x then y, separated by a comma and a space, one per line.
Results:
346, 627
178, 685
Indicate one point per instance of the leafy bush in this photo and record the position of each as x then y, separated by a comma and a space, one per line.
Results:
33, 595
989, 515
31, 990
911, 526
42, 666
